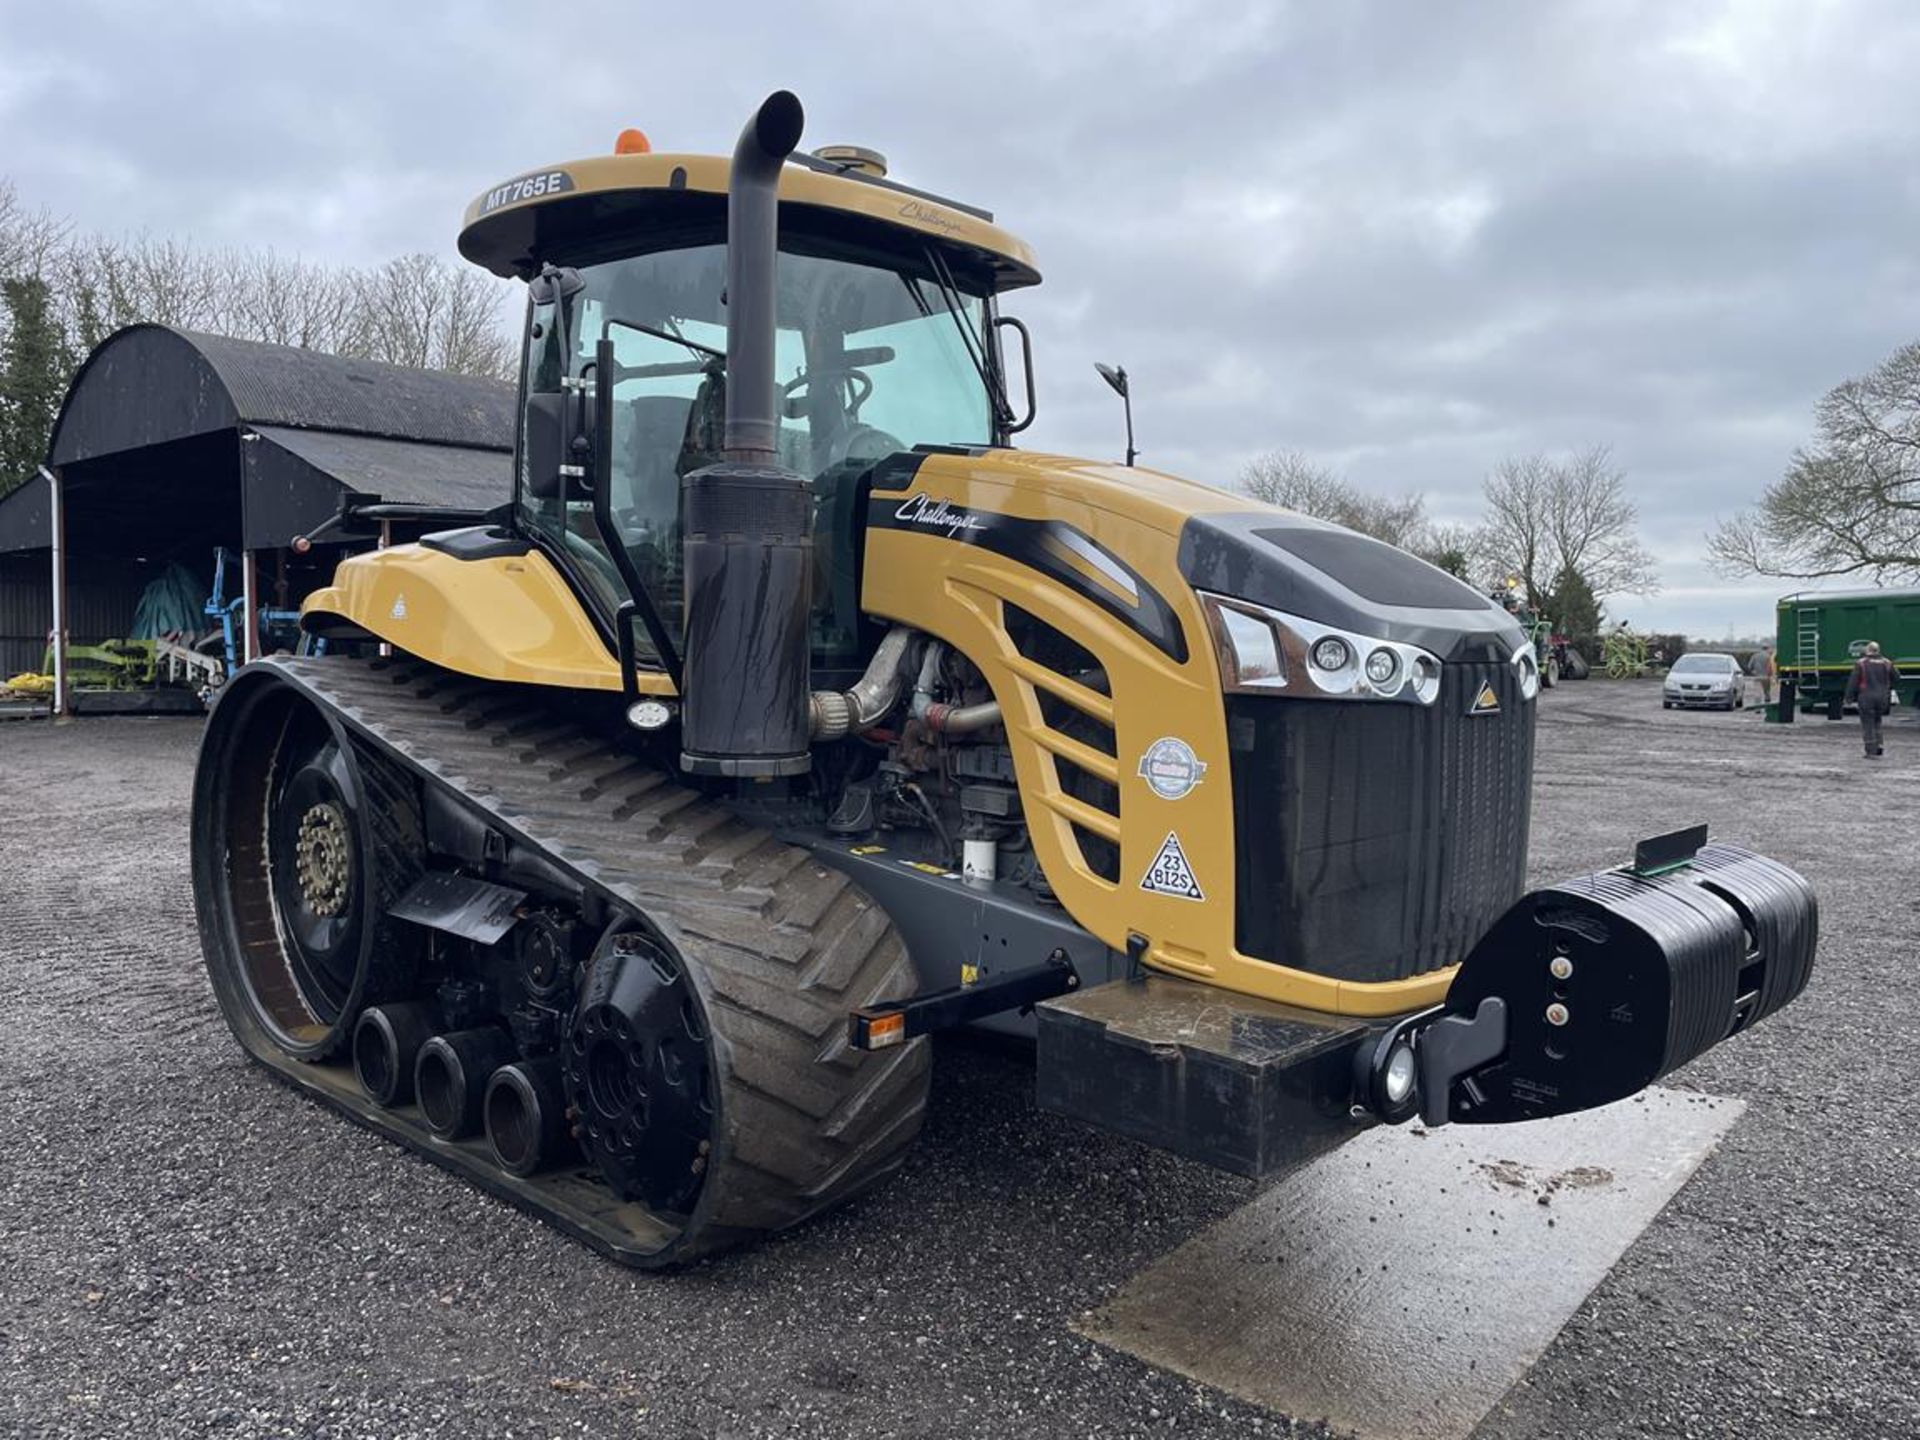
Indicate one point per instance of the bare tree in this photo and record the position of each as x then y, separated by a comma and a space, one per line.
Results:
261, 295
66, 294
123, 282
1287, 478
1593, 527
1514, 534
1457, 549
472, 341
416, 310
29, 239
419, 311
1548, 517
1851, 505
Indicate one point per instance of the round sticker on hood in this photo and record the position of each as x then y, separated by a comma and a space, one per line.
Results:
1170, 768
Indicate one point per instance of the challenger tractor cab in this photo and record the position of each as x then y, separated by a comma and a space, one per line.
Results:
626, 844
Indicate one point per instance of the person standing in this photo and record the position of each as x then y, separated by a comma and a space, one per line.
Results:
1871, 687
1765, 668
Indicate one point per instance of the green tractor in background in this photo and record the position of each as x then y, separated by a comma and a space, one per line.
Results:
1558, 659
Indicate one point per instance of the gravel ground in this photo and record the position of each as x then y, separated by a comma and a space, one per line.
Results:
188, 1248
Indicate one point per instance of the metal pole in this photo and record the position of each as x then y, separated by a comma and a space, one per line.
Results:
386, 539
250, 643
1126, 397
59, 527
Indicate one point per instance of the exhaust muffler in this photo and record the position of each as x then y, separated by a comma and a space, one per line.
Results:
747, 522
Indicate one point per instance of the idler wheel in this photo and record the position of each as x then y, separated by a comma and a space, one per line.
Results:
302, 839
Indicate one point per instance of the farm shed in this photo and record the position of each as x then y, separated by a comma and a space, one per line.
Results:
172, 445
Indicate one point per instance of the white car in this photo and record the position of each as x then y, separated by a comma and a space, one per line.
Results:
1705, 679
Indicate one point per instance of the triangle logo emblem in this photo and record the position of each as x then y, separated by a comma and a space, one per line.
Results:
1486, 702
1170, 874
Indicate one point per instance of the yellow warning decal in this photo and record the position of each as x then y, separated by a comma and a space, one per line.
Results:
866, 849
1487, 702
925, 869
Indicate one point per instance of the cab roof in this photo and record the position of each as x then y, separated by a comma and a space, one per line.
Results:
515, 225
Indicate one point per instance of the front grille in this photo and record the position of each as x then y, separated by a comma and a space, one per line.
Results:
1376, 841
1075, 672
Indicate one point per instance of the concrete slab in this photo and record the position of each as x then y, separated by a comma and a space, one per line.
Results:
1399, 1286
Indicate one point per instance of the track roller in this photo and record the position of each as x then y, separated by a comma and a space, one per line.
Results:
450, 1078
526, 1116
386, 1047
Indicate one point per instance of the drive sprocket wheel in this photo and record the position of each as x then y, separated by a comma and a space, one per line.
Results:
638, 1069
303, 840
712, 1082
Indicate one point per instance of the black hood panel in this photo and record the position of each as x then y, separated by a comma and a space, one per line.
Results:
1347, 580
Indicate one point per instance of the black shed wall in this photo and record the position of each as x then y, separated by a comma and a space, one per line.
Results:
102, 593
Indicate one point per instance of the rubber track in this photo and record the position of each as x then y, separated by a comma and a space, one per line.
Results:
780, 946
392, 800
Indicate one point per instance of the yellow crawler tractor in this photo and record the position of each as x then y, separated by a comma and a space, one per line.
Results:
619, 849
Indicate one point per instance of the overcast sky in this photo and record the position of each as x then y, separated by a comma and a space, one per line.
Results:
1408, 239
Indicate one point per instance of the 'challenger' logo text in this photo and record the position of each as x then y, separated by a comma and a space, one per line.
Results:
937, 515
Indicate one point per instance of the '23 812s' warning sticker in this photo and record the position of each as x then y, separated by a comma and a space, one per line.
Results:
1170, 874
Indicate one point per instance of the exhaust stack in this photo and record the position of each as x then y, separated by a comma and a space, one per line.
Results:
753, 243
748, 535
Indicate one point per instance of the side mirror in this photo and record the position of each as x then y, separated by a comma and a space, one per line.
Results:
559, 442
1116, 377
558, 430
544, 438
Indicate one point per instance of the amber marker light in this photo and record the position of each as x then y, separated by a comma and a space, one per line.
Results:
632, 142
876, 1029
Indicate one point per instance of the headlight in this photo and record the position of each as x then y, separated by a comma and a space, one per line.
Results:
1331, 653
1386, 1076
1399, 1078
1269, 651
1526, 670
1426, 679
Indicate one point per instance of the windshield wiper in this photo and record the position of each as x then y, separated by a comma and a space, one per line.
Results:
671, 336
977, 349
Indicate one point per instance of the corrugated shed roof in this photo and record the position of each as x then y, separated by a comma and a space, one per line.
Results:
306, 390
418, 474
256, 441
148, 384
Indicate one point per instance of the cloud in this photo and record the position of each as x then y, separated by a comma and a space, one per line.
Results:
1408, 239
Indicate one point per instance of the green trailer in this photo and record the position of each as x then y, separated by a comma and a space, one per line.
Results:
1821, 635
